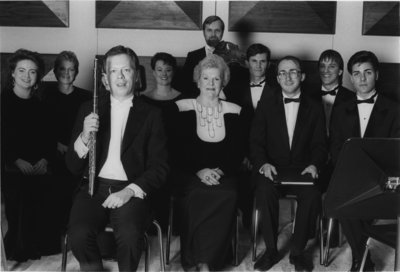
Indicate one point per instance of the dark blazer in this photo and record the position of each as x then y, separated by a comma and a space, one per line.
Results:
186, 84
269, 140
384, 122
143, 149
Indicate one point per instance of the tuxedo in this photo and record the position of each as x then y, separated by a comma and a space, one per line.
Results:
269, 143
384, 121
144, 160
188, 87
342, 95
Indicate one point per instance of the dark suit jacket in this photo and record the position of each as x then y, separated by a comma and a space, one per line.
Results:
269, 140
143, 149
342, 96
186, 84
383, 122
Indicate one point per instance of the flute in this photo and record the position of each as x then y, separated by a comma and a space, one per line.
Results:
92, 141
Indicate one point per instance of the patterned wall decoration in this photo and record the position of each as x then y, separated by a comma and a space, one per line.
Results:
316, 17
185, 15
35, 13
381, 18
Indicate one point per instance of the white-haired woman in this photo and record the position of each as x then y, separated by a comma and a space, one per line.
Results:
211, 142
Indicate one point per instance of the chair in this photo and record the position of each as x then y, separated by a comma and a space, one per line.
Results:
386, 234
331, 222
235, 240
146, 242
293, 208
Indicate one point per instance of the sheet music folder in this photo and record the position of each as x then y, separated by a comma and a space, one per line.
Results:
292, 176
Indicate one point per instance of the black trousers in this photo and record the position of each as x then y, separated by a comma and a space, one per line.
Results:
88, 218
308, 207
353, 229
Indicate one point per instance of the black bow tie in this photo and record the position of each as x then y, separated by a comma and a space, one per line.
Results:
370, 100
288, 100
259, 84
331, 92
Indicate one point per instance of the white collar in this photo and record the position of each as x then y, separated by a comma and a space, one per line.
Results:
126, 103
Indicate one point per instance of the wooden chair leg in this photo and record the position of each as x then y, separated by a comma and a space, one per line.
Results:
235, 242
321, 241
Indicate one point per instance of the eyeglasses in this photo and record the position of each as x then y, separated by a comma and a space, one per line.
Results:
292, 74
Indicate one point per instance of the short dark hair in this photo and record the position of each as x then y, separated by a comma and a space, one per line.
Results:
362, 57
258, 48
211, 19
23, 54
164, 57
118, 50
292, 58
331, 55
66, 56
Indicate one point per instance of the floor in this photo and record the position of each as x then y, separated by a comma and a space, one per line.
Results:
340, 257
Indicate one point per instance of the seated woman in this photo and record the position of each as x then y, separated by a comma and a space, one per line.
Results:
64, 100
26, 150
210, 138
164, 96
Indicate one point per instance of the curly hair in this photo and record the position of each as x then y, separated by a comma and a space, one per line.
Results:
20, 55
212, 61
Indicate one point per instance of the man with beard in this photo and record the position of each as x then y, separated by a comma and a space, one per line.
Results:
213, 30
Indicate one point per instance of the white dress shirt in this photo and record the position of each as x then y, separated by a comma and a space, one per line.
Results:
256, 93
209, 50
364, 112
113, 168
291, 110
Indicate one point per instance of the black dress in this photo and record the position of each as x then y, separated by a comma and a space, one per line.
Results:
63, 111
29, 199
160, 199
208, 211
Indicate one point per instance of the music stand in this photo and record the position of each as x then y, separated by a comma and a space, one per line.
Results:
357, 189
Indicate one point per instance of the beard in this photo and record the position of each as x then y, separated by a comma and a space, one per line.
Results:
213, 41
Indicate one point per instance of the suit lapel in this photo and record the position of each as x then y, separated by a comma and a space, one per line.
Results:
136, 118
352, 119
378, 115
104, 110
281, 120
301, 119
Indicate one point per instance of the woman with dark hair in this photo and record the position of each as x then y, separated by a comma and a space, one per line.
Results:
26, 147
211, 143
64, 100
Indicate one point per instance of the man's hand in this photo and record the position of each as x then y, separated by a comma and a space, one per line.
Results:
62, 148
247, 164
40, 168
91, 123
210, 176
311, 169
116, 200
267, 170
25, 167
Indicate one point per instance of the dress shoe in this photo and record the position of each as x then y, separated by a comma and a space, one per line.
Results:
301, 262
266, 261
368, 266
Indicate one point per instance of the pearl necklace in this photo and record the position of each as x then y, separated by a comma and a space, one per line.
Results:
210, 116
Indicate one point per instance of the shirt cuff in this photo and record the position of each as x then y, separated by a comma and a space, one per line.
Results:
137, 191
80, 148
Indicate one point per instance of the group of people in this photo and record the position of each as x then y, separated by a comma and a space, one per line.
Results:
216, 139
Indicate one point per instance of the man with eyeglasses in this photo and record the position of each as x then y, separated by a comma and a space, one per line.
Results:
288, 131
369, 114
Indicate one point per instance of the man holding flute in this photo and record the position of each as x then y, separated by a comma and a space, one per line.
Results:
131, 162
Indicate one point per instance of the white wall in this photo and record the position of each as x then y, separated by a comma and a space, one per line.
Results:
86, 41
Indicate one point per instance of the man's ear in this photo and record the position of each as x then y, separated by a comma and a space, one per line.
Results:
303, 77
340, 72
104, 80
377, 75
